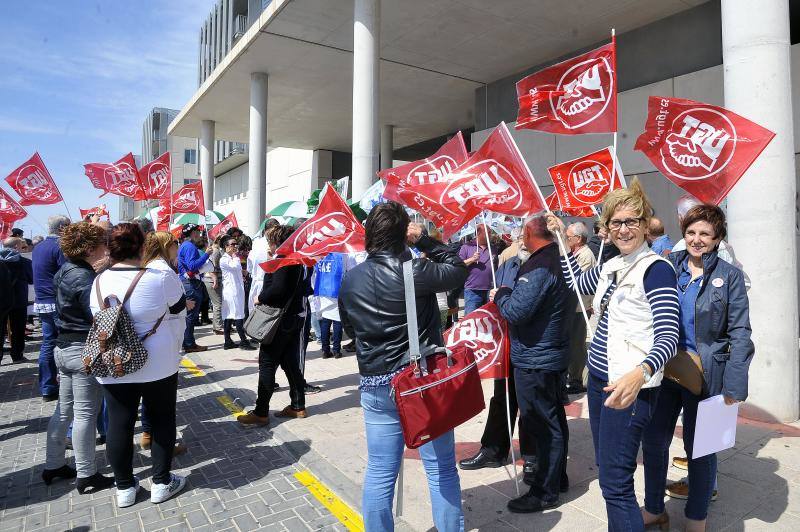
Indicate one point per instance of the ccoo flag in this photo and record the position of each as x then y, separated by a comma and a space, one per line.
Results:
702, 148
333, 228
33, 183
576, 96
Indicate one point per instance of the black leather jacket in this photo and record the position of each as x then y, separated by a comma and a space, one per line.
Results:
373, 309
73, 283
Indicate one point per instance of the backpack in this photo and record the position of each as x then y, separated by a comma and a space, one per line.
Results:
113, 348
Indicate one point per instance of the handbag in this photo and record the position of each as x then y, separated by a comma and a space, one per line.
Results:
686, 369
263, 321
440, 389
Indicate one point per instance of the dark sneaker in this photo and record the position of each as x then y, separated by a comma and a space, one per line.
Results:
528, 504
311, 389
326, 354
337, 354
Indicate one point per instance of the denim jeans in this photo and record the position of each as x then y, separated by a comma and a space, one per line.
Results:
79, 396
655, 451
48, 371
384, 454
325, 330
617, 435
474, 299
194, 292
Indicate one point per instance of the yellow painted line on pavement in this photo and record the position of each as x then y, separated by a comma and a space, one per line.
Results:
192, 368
232, 407
346, 515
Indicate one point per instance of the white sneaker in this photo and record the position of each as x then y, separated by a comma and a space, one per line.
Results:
127, 497
162, 492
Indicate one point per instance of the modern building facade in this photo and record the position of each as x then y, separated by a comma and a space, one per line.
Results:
383, 80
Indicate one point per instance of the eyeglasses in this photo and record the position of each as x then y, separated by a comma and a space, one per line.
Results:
231, 244
630, 223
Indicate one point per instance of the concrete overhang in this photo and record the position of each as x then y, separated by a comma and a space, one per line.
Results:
434, 54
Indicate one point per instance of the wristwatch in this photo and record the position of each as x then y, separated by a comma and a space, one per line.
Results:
646, 372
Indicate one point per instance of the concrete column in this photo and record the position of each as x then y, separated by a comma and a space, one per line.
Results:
366, 89
257, 170
387, 146
207, 161
756, 61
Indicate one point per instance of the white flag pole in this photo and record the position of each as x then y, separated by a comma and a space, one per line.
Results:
508, 396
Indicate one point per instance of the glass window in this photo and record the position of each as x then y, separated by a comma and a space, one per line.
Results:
190, 156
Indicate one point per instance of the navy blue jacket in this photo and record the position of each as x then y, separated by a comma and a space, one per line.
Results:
539, 310
22, 275
47, 259
722, 326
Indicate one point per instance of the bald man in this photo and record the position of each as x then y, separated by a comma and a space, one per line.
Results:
659, 241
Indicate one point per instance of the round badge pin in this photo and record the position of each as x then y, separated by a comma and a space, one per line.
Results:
718, 282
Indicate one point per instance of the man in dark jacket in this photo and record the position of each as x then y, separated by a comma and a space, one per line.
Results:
21, 274
539, 309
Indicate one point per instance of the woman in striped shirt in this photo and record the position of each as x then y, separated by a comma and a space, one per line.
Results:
636, 303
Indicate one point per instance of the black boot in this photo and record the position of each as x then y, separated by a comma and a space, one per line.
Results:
65, 471
480, 460
229, 343
94, 483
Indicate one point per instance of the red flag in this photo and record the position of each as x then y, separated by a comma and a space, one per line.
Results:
576, 96
101, 210
189, 199
176, 231
155, 178
585, 181
223, 226
485, 332
494, 178
33, 183
5, 229
702, 148
554, 205
10, 210
120, 178
333, 228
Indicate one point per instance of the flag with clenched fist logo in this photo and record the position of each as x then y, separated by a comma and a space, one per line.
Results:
702, 148
585, 181
485, 333
333, 228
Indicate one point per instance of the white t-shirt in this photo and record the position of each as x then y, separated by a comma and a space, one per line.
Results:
177, 322
156, 291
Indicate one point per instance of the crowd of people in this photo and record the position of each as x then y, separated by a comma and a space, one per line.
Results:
609, 314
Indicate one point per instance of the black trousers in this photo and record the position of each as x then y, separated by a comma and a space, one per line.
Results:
228, 326
495, 440
543, 418
15, 319
283, 352
122, 401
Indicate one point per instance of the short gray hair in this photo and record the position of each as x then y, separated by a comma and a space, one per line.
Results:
56, 224
580, 230
685, 203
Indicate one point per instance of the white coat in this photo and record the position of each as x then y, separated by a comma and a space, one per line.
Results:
232, 287
260, 253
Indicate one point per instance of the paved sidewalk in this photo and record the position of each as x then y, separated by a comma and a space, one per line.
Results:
759, 479
238, 479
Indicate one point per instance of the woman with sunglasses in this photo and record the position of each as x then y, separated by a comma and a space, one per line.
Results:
636, 302
233, 295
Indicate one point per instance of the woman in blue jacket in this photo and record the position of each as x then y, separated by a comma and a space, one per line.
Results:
714, 324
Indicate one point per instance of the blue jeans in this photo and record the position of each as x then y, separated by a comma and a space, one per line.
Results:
384, 454
48, 384
194, 292
655, 451
617, 435
474, 299
325, 336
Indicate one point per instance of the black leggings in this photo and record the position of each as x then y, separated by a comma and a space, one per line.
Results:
284, 351
122, 401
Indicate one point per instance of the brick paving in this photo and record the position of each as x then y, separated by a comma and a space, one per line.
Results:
238, 478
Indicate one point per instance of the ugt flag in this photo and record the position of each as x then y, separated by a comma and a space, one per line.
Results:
485, 333
495, 178
585, 181
189, 199
410, 184
554, 205
120, 178
101, 210
10, 210
33, 183
702, 148
223, 226
333, 228
155, 179
576, 96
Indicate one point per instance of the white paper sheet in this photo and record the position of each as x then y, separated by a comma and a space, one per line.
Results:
715, 430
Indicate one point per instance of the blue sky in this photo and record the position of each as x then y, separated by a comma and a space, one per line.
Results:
78, 79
